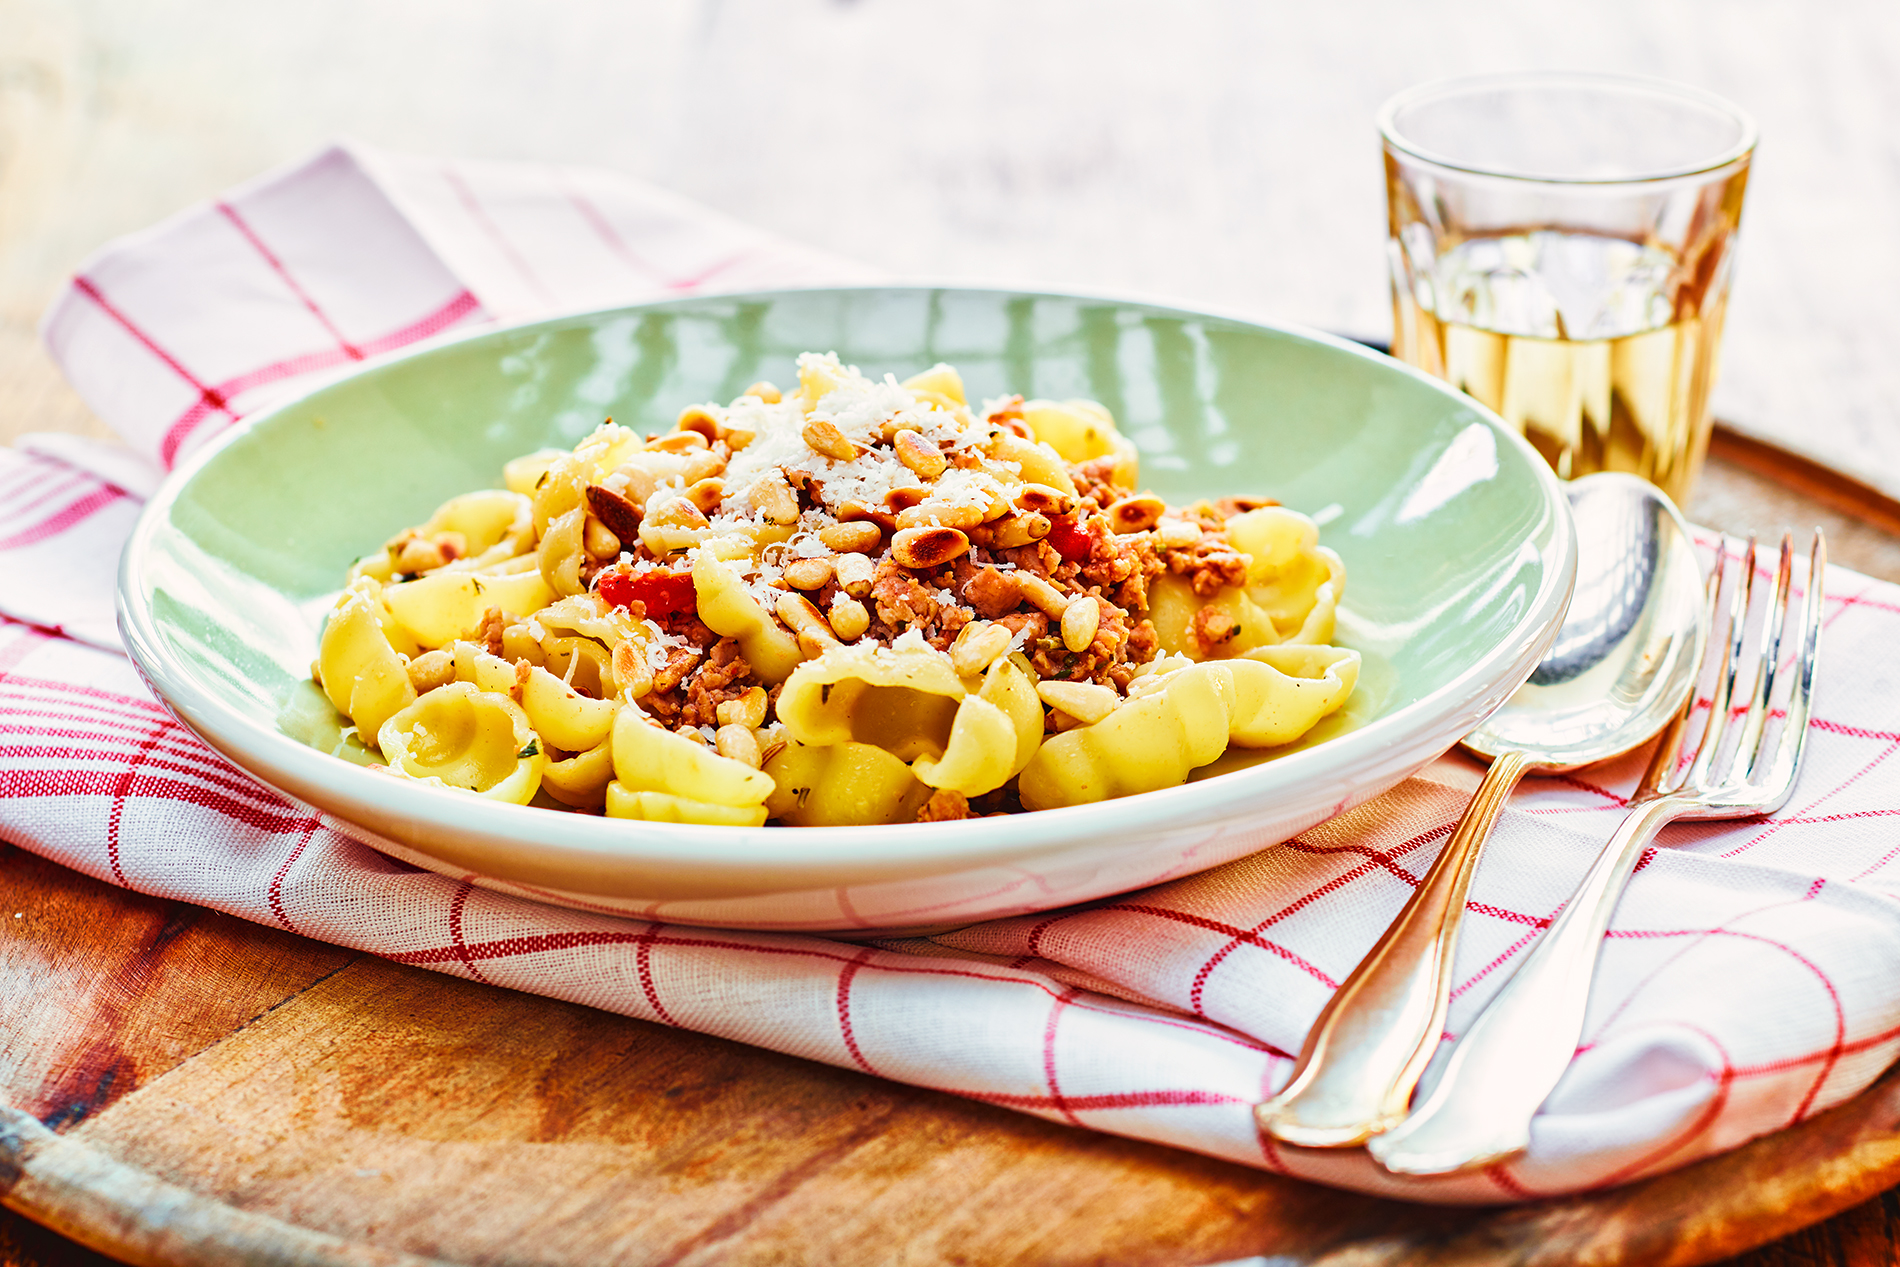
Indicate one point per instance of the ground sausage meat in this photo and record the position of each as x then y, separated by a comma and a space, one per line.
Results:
907, 598
944, 806
1121, 568
1210, 564
724, 676
991, 592
1095, 482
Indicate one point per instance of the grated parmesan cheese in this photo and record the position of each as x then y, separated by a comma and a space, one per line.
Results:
910, 640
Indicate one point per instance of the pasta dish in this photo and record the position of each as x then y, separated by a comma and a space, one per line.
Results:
856, 602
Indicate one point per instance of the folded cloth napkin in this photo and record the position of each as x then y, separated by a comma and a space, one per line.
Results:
1747, 981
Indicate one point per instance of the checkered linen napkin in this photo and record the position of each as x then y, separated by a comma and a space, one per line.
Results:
1748, 980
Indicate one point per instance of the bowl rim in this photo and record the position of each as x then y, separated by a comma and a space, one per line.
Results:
281, 762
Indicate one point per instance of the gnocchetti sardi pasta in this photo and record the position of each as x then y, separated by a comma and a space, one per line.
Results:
857, 602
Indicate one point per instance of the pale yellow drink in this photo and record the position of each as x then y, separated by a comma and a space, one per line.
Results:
1632, 395
1561, 248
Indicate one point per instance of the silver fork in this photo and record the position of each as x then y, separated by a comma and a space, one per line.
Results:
1510, 1058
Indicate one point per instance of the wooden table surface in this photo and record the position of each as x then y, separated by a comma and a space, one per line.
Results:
1216, 152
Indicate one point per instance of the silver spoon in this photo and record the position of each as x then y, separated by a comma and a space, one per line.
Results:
1623, 664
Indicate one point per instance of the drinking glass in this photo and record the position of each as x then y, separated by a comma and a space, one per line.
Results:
1561, 248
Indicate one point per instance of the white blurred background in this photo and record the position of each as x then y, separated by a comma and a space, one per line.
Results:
1218, 152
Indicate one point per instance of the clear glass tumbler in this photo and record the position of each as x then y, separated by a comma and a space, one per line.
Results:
1561, 248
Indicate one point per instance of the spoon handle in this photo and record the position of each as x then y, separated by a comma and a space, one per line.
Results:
1504, 1066
1366, 1051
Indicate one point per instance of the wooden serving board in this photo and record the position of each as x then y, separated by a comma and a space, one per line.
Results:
181, 1087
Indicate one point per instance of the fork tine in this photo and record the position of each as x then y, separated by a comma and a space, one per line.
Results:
1779, 783
1718, 724
1750, 759
1665, 761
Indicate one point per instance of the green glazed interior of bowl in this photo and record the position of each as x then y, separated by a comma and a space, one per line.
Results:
1440, 516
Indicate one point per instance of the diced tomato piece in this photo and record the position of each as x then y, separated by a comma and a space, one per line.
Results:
662, 593
1070, 539
615, 587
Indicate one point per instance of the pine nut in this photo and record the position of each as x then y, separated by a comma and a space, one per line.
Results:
807, 574
928, 547
707, 493
851, 538
849, 618
1080, 619
1087, 702
858, 512
1045, 500
773, 497
1051, 600
919, 454
737, 743
903, 498
698, 418
635, 480
683, 511
977, 645
599, 540
957, 515
701, 464
748, 710
1020, 529
430, 670
854, 573
814, 634
674, 526
1135, 514
764, 391
678, 442
1176, 534
823, 436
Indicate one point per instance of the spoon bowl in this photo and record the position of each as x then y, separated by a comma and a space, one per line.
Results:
1629, 648
1621, 666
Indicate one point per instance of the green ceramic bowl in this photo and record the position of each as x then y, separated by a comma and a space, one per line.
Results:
1457, 541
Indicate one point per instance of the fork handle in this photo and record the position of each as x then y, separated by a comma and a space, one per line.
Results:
1364, 1054
1505, 1065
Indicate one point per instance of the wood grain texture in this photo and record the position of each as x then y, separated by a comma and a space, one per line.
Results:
1744, 490
80, 1031
314, 1106
143, 1220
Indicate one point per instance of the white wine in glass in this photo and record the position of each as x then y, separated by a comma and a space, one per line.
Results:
1598, 349
1560, 248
